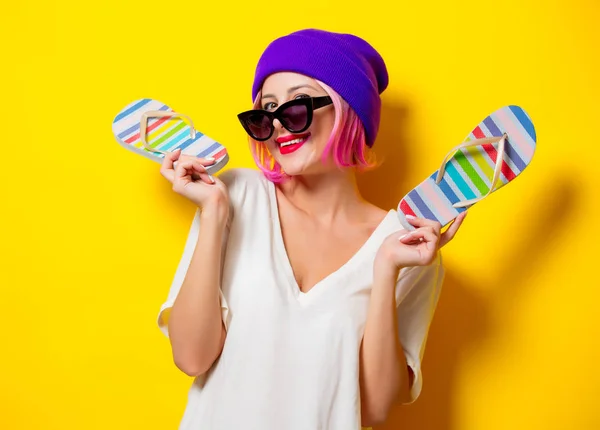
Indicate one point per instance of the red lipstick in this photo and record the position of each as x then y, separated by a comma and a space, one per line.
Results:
291, 142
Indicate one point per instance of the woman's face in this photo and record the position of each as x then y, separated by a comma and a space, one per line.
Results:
298, 154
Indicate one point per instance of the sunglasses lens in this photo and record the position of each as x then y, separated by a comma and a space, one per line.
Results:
294, 118
259, 125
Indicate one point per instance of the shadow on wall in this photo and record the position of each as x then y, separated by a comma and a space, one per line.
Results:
462, 318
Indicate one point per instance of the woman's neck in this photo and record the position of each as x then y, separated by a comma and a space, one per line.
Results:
324, 196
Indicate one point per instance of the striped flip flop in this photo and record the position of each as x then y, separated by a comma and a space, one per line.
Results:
491, 156
152, 129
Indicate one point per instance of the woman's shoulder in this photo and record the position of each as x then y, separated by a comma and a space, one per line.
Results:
242, 177
244, 183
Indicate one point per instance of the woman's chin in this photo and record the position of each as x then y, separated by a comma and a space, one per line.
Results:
301, 166
312, 169
299, 163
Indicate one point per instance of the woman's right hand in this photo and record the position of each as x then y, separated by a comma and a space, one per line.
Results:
190, 179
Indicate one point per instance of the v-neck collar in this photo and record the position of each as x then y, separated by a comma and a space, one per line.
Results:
357, 258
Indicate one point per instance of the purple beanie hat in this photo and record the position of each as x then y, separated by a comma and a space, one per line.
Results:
347, 63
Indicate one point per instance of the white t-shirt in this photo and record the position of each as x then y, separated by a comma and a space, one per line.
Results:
291, 359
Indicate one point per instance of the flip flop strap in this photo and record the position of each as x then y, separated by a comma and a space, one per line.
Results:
497, 168
159, 113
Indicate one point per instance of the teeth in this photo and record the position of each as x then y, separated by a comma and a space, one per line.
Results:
292, 142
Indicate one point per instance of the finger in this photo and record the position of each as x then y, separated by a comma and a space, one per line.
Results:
190, 168
423, 222
423, 234
200, 170
183, 170
448, 235
170, 157
427, 228
204, 161
167, 166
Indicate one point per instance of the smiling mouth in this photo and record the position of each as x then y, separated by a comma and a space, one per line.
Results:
288, 146
293, 142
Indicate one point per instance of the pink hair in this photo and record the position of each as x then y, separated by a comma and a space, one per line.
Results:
346, 144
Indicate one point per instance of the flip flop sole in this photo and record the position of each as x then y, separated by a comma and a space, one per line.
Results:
469, 173
166, 134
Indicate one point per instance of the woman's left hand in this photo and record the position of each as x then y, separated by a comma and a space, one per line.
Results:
415, 248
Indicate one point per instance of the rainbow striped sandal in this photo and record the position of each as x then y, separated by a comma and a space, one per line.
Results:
146, 127
492, 155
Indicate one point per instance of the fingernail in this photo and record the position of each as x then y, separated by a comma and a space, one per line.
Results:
212, 179
403, 236
210, 159
410, 216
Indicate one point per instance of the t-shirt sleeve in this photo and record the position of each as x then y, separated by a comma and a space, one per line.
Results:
186, 258
417, 293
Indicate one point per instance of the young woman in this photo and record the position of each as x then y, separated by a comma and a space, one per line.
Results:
297, 304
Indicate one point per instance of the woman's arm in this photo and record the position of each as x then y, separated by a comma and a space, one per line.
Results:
384, 374
196, 330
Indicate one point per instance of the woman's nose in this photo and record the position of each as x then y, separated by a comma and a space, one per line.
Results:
277, 125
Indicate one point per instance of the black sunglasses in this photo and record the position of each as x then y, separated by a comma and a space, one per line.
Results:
295, 115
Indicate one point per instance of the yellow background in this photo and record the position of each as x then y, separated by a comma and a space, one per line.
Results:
91, 233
